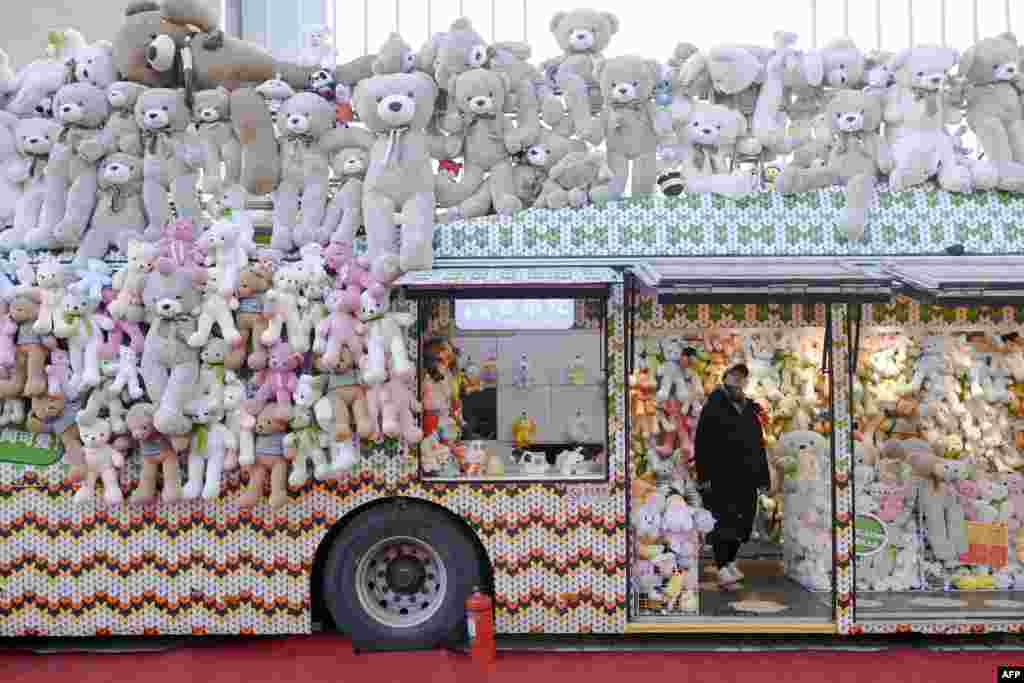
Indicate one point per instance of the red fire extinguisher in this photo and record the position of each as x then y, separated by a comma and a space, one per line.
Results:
480, 620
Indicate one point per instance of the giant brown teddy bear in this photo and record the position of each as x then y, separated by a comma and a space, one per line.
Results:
148, 50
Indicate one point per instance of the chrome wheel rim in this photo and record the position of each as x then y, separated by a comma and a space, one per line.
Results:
401, 582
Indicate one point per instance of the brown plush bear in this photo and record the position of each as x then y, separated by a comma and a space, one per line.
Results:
252, 322
29, 375
157, 452
345, 386
52, 415
270, 429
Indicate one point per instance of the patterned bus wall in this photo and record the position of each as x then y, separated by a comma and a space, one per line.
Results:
211, 568
918, 319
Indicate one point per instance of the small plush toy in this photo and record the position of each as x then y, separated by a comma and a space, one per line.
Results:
400, 180
127, 373
104, 399
235, 416
53, 415
215, 308
58, 372
571, 462
398, 405
305, 441
524, 429
630, 123
170, 367
226, 248
48, 292
253, 282
394, 56
642, 388
275, 93
305, 120
157, 455
71, 174
269, 458
348, 398
349, 151
385, 340
579, 179
284, 302
435, 457
101, 462
212, 110
171, 157
121, 131
279, 379
34, 139
995, 110
119, 214
341, 329
28, 377
84, 332
211, 442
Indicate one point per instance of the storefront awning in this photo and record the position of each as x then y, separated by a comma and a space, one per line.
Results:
959, 280
509, 283
764, 279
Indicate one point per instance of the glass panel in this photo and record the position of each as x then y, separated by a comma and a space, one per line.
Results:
284, 30
940, 494
514, 389
254, 22
779, 538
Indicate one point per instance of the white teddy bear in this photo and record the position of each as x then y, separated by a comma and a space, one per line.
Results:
706, 139
306, 439
215, 308
127, 373
385, 339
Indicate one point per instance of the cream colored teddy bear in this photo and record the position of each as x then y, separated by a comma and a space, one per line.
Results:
578, 179
706, 144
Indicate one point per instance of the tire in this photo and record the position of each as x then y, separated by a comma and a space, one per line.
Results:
452, 563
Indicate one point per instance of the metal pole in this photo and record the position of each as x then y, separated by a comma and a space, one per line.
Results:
524, 19
910, 23
462, 8
493, 22
942, 19
1006, 14
814, 23
398, 14
366, 27
846, 18
878, 24
430, 18
974, 14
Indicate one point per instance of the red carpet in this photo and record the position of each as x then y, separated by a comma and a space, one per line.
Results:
330, 658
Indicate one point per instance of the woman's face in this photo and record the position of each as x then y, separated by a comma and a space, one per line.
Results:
736, 384
446, 354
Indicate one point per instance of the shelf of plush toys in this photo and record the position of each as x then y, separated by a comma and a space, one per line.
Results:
673, 376
939, 460
116, 362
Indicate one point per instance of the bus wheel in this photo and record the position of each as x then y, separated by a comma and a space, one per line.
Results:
398, 577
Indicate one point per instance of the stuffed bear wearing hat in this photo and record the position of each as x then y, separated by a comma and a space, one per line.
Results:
630, 123
995, 109
400, 180
855, 158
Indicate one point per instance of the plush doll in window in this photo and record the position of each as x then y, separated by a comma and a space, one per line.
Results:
438, 387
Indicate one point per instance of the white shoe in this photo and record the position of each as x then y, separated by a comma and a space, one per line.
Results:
736, 571
726, 578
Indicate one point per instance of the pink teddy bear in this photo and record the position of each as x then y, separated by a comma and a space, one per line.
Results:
279, 379
970, 493
178, 245
340, 329
122, 328
398, 403
1015, 486
8, 332
890, 503
58, 373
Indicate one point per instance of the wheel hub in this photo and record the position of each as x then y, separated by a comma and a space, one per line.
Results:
405, 574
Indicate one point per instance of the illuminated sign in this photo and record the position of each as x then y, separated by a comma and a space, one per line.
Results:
515, 314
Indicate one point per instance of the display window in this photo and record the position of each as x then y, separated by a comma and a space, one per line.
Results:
731, 497
514, 389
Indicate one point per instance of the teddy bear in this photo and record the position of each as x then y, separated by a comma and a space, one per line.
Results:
583, 35
705, 147
84, 333
578, 179
171, 157
478, 98
805, 453
170, 367
284, 302
341, 329
400, 180
48, 291
306, 441
274, 93
856, 156
10, 189
916, 112
119, 214
34, 139
253, 282
394, 56
269, 456
396, 404
385, 340
212, 111
28, 375
630, 123
279, 379
212, 441
227, 250
349, 151
102, 461
642, 388
130, 280
104, 399
213, 376
121, 131
157, 453
217, 308
995, 109
58, 372
55, 415
94, 64
127, 373
347, 394
305, 119
72, 171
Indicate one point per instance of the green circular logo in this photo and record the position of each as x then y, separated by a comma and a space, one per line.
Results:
870, 535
